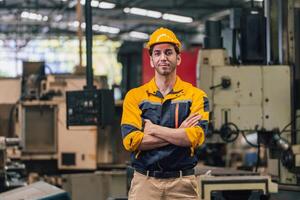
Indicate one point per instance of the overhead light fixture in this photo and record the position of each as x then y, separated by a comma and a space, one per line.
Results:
157, 15
82, 25
74, 24
177, 18
143, 12
45, 18
33, 16
139, 35
109, 29
106, 5
254, 12
94, 3
96, 27
58, 18
105, 29
102, 4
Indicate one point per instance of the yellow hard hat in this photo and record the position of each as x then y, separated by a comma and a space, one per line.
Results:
163, 35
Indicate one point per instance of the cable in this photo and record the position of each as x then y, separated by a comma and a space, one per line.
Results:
289, 124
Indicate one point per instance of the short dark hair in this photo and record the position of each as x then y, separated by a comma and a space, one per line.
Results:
175, 47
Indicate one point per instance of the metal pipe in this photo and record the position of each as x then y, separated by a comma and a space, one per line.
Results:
268, 29
89, 45
280, 30
79, 31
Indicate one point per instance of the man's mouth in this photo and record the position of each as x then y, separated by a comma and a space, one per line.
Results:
164, 65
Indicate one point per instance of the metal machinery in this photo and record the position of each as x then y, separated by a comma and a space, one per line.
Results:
49, 148
11, 169
246, 100
54, 115
39, 190
45, 136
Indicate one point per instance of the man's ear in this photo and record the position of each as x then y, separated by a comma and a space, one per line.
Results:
178, 59
151, 62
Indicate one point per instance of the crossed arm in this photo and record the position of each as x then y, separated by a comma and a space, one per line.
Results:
157, 136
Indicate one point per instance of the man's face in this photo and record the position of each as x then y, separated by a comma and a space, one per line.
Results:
164, 59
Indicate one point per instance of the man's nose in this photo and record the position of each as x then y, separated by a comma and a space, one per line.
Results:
163, 56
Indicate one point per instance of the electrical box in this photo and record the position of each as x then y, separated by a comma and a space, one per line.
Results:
90, 107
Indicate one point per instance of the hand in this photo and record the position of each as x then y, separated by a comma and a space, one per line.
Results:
149, 127
191, 121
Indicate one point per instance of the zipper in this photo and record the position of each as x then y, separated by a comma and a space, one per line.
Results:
176, 114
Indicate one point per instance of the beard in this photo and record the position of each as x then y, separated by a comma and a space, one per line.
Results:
165, 70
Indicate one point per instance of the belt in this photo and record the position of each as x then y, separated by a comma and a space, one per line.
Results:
166, 174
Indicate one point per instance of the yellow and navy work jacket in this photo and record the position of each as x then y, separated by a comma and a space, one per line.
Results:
146, 102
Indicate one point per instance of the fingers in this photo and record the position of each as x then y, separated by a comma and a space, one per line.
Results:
193, 121
147, 121
191, 116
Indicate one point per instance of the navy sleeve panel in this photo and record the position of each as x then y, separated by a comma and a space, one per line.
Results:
206, 104
204, 125
126, 129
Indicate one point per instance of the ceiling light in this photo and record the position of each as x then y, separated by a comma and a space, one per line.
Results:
138, 11
33, 16
74, 24
154, 14
24, 14
177, 18
139, 35
94, 3
95, 27
143, 12
45, 18
58, 18
126, 10
113, 30
254, 12
105, 29
106, 5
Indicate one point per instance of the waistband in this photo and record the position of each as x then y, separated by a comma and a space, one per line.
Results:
166, 174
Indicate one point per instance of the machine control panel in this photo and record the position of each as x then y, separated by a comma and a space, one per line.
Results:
90, 107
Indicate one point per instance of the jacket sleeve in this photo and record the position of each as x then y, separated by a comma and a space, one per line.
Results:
199, 105
131, 124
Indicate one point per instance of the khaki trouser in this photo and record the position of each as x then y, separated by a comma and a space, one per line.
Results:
149, 188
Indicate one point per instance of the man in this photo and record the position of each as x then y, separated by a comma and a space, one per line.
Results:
163, 122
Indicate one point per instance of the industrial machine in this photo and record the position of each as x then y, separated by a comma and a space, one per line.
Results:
45, 136
12, 171
251, 100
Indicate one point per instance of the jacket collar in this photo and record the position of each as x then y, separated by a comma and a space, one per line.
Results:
152, 87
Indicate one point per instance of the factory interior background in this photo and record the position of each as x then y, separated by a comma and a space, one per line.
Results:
66, 66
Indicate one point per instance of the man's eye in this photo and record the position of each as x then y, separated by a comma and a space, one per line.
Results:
168, 53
